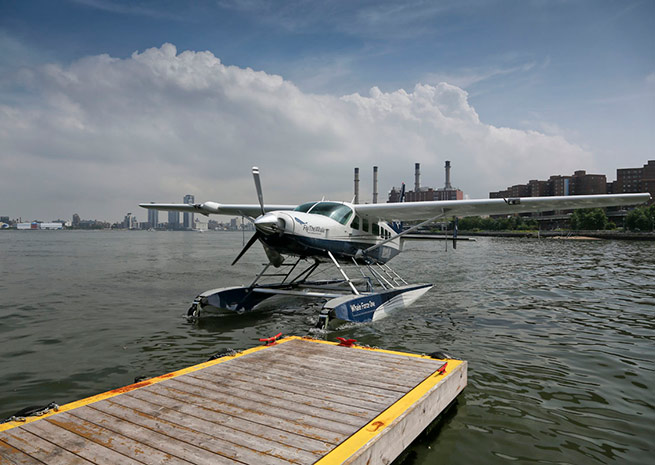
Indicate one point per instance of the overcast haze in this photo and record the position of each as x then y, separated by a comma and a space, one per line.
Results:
106, 104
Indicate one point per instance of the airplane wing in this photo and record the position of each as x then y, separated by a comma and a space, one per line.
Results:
207, 208
409, 211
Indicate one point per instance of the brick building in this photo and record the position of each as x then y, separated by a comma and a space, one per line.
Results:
636, 180
580, 183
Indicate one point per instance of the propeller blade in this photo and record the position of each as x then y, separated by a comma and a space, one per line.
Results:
251, 241
258, 186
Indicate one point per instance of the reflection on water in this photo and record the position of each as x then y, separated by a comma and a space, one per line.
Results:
559, 335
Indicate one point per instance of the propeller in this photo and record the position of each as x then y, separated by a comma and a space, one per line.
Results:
258, 186
249, 244
260, 196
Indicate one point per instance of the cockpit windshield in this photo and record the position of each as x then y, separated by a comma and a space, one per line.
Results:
304, 207
337, 211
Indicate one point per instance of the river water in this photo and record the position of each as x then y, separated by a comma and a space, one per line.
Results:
559, 335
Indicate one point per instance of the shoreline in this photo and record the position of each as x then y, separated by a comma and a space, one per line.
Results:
581, 234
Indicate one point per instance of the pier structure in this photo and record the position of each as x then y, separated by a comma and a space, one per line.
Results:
297, 400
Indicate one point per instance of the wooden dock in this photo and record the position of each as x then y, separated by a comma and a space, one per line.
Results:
300, 401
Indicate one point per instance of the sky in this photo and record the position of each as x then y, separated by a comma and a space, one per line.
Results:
105, 104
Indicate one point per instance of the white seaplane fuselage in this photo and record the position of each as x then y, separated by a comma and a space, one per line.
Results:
313, 229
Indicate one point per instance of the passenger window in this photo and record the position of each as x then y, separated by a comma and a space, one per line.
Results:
355, 223
376, 229
365, 225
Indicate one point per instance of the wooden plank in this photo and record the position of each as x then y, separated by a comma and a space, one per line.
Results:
316, 399
269, 381
392, 431
373, 395
289, 403
335, 355
358, 355
149, 405
174, 446
263, 418
304, 370
112, 440
11, 455
218, 446
341, 368
404, 429
222, 431
77, 444
265, 410
41, 449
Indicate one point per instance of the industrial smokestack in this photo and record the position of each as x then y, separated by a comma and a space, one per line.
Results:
356, 201
375, 184
448, 186
417, 177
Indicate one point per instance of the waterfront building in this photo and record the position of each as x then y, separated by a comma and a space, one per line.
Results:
27, 226
636, 180
53, 225
628, 180
200, 224
173, 220
188, 217
39, 225
394, 195
580, 183
153, 218
130, 222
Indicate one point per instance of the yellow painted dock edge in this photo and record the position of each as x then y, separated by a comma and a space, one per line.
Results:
375, 427
338, 455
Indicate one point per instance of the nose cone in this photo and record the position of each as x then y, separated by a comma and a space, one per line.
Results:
269, 223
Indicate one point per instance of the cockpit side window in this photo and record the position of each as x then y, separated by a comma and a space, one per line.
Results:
337, 211
304, 207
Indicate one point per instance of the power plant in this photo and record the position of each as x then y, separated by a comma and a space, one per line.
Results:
356, 198
425, 194
375, 185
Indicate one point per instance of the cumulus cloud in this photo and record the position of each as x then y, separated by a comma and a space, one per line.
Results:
102, 134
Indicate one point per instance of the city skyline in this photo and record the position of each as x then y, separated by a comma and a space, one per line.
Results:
516, 192
189, 96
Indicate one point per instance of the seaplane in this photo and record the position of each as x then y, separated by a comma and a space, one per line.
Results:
299, 239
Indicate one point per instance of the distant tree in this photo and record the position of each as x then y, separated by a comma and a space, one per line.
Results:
589, 219
470, 223
641, 219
